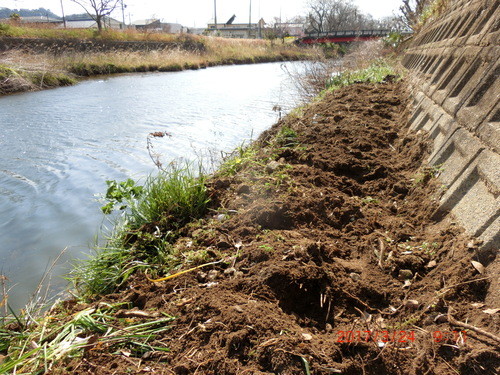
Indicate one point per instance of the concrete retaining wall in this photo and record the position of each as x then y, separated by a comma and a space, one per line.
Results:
455, 68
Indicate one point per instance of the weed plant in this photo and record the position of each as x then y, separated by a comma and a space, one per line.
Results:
286, 137
240, 158
217, 51
433, 9
309, 79
377, 72
142, 235
363, 62
176, 194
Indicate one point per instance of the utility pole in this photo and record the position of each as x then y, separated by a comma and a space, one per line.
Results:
215, 14
250, 20
64, 18
123, 14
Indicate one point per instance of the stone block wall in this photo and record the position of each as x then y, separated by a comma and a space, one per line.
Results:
454, 66
60, 46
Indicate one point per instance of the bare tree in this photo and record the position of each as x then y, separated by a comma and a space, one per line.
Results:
317, 19
343, 15
411, 11
394, 23
277, 30
333, 15
98, 9
297, 19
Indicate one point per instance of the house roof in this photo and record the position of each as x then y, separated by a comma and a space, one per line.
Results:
145, 22
90, 23
81, 24
174, 27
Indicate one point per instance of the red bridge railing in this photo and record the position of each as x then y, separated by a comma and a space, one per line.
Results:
343, 36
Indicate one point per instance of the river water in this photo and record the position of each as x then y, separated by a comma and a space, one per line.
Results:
58, 147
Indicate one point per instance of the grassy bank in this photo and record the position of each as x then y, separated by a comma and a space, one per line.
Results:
217, 51
30, 31
15, 80
183, 52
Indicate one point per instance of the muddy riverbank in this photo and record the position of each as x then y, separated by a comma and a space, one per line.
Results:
332, 262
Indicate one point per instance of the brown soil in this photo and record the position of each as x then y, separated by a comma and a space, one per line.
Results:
334, 237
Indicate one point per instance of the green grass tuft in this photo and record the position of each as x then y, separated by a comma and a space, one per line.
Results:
177, 195
142, 236
240, 158
377, 72
286, 137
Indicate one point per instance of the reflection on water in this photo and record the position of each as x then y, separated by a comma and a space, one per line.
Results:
58, 147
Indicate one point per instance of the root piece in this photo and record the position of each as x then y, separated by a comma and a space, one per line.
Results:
382, 253
455, 322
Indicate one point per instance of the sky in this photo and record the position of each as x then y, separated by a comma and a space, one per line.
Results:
197, 13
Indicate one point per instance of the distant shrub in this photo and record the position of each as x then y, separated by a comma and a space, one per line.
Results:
4, 29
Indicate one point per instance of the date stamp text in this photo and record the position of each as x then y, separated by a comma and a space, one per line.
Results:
398, 336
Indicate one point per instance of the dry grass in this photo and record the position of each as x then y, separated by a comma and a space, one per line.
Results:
431, 11
310, 79
362, 55
50, 31
314, 77
129, 60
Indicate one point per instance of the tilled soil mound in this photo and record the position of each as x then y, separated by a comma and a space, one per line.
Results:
334, 263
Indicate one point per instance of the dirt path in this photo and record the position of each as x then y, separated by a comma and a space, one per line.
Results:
340, 268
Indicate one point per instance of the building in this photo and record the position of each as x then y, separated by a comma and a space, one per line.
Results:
155, 25
152, 24
173, 28
89, 23
290, 29
75, 21
236, 30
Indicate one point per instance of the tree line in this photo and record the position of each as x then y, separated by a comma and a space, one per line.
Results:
5, 13
336, 15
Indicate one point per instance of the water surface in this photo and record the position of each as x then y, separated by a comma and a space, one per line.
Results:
58, 147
